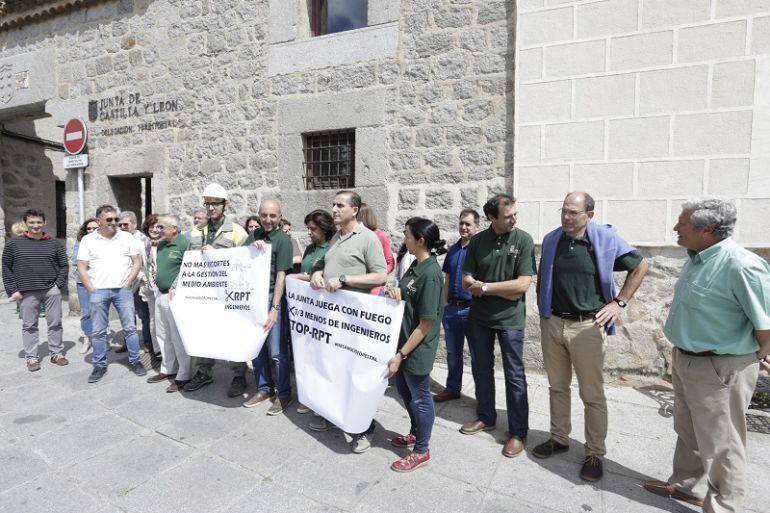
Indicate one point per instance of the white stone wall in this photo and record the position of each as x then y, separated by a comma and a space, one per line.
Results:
643, 103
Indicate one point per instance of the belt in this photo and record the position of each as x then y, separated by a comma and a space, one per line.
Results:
704, 353
576, 317
464, 303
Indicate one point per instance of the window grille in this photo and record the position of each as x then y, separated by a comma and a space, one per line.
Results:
330, 160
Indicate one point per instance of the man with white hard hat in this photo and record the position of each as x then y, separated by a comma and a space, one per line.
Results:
216, 232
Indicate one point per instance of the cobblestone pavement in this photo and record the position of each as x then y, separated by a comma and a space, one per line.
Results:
123, 445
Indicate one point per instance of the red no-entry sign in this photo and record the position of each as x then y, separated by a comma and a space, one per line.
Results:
75, 136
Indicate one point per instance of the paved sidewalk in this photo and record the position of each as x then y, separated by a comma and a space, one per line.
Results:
123, 445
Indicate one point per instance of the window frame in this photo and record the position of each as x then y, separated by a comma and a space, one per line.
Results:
324, 154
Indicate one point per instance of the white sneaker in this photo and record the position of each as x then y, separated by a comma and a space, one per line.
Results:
362, 443
320, 424
86, 345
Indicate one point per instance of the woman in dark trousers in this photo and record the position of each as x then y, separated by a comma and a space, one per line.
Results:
421, 289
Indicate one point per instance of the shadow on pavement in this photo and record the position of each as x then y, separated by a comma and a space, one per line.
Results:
664, 396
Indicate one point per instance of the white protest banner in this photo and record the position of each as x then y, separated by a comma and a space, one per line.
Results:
221, 302
342, 342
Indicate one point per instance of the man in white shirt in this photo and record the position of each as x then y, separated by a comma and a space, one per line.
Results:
108, 263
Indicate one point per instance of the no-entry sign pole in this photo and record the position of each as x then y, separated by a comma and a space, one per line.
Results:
75, 139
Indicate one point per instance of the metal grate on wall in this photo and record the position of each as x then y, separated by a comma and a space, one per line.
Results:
330, 159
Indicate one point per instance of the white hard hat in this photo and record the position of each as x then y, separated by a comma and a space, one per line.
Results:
214, 190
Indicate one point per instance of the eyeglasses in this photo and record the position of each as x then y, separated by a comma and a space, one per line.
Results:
208, 204
110, 219
570, 213
123, 224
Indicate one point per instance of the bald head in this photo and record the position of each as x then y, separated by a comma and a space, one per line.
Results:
269, 214
582, 198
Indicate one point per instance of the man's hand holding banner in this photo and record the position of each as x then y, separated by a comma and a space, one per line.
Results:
221, 302
342, 343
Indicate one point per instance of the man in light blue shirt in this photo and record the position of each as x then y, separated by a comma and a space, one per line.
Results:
719, 324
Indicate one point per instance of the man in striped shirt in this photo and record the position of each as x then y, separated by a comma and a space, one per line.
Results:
34, 271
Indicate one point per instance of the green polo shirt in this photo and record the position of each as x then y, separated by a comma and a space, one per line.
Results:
421, 289
359, 252
213, 228
280, 250
494, 258
721, 298
576, 285
313, 253
168, 261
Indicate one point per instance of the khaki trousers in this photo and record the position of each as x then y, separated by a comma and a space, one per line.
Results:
175, 359
579, 344
711, 396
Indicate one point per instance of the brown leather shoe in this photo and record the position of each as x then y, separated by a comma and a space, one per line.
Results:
445, 395
177, 385
514, 447
60, 360
666, 490
256, 399
475, 426
159, 377
280, 404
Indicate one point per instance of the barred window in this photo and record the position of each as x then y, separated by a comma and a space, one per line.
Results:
331, 16
330, 159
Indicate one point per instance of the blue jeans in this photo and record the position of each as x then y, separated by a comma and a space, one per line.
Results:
415, 391
455, 323
143, 312
482, 342
123, 300
276, 348
86, 326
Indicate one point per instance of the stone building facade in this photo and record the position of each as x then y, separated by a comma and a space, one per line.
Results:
449, 101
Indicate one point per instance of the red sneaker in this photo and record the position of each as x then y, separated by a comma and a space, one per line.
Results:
411, 461
404, 440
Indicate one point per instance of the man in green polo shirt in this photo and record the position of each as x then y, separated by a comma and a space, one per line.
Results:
354, 261
578, 308
497, 271
719, 324
168, 262
276, 347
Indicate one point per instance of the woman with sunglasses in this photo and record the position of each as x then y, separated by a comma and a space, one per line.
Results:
89, 226
421, 289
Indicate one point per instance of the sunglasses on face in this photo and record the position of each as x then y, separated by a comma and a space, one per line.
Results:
122, 224
110, 219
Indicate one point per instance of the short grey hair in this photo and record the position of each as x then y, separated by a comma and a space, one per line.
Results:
721, 214
198, 210
170, 219
127, 214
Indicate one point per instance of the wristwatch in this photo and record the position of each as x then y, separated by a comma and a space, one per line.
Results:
484, 287
342, 279
277, 307
402, 355
620, 302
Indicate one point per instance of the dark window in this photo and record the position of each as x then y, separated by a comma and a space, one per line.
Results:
330, 16
61, 210
330, 160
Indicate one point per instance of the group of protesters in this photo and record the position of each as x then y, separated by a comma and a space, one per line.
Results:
718, 323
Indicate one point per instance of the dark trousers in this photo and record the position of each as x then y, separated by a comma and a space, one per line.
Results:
482, 342
143, 312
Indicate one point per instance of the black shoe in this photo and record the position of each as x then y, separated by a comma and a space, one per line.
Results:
138, 369
97, 374
199, 381
237, 387
592, 469
549, 448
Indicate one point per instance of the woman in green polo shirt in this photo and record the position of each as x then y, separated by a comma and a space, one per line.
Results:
420, 288
320, 229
